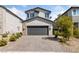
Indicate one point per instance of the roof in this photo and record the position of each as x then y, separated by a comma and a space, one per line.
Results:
38, 17
67, 11
70, 9
38, 8
11, 12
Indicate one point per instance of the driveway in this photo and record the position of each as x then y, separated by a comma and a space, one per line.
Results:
35, 44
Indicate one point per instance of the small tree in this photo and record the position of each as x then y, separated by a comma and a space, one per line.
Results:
76, 32
65, 26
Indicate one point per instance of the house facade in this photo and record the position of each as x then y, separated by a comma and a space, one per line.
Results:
73, 12
38, 22
9, 22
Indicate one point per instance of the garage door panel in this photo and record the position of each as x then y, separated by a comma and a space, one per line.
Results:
37, 30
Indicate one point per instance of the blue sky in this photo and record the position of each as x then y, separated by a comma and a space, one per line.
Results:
20, 9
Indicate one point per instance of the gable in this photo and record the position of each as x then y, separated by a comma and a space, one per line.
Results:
38, 8
38, 21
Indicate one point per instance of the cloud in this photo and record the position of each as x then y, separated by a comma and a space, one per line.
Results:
56, 11
59, 9
20, 13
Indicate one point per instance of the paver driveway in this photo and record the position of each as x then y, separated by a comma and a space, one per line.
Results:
34, 43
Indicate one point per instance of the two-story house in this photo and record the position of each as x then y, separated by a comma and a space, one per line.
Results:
38, 22
73, 12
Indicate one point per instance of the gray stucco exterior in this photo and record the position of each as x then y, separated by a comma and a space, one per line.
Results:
38, 17
69, 12
9, 22
38, 22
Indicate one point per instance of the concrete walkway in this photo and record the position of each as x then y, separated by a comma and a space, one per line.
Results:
34, 44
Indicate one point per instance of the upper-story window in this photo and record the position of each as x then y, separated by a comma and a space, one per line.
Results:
74, 12
36, 13
77, 11
31, 15
46, 15
27, 15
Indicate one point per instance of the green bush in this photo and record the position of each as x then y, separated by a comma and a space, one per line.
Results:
13, 38
64, 25
3, 42
21, 33
5, 35
67, 33
57, 33
18, 34
76, 32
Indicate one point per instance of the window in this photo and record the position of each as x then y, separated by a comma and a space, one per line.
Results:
47, 15
36, 13
32, 15
77, 11
74, 12
27, 15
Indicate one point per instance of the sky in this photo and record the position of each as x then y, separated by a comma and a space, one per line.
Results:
55, 9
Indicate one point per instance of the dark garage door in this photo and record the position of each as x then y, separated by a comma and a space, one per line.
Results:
37, 30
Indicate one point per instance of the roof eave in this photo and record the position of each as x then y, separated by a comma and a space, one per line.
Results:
37, 8
37, 17
11, 12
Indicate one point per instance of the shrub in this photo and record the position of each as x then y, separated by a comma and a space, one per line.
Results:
19, 34
76, 32
57, 33
13, 38
67, 33
5, 35
3, 42
64, 25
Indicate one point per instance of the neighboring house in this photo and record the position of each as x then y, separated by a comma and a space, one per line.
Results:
37, 22
9, 22
72, 12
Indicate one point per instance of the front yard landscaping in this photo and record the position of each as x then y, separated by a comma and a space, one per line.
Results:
65, 28
5, 38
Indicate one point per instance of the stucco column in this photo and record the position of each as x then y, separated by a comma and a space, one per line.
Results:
24, 29
50, 31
